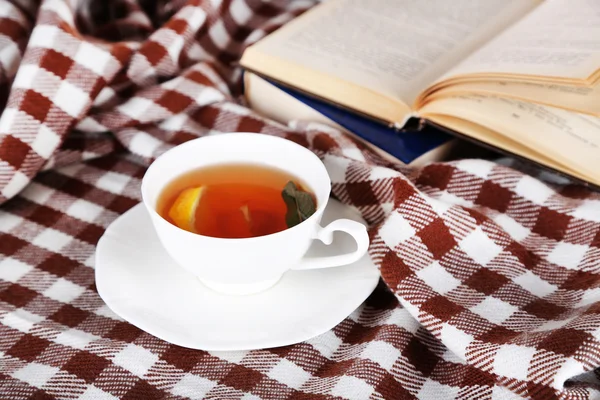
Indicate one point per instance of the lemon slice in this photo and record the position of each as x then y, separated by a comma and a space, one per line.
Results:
183, 211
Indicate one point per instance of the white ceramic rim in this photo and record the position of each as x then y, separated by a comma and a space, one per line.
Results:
321, 202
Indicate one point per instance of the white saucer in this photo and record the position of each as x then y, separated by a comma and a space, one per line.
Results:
142, 284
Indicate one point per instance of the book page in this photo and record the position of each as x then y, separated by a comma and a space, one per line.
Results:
496, 140
581, 99
560, 38
570, 138
394, 47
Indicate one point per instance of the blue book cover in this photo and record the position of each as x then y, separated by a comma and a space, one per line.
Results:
405, 145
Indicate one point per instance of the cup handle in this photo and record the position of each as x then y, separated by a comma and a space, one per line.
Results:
325, 234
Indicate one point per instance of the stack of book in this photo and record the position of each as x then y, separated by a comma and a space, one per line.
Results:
519, 76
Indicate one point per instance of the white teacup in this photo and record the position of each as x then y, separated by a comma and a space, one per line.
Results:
244, 266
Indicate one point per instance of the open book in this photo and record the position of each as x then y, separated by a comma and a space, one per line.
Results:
522, 76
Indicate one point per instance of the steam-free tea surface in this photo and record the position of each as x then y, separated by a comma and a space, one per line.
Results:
228, 201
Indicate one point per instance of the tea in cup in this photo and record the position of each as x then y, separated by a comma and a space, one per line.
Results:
238, 210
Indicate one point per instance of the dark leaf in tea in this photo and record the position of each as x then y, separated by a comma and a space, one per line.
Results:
300, 204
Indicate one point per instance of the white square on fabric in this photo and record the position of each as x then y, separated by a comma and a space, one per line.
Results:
353, 153
588, 210
453, 199
25, 76
240, 11
90, 261
93, 58
75, 338
208, 96
9, 221
12, 270
396, 230
93, 393
193, 387
10, 57
144, 144
494, 310
52, 239
175, 45
105, 95
71, 99
500, 392
21, 320
336, 167
567, 255
459, 340
589, 296
352, 388
534, 284
232, 356
533, 190
43, 36
143, 71
381, 353
512, 361
219, 35
480, 168
250, 396
37, 193
480, 247
135, 359
216, 3
14, 186
377, 172
84, 210
174, 123
64, 290
46, 141
516, 231
196, 16
135, 107
60, 8
35, 374
8, 118
387, 207
438, 278
113, 182
435, 390
404, 319
289, 374
105, 311
440, 207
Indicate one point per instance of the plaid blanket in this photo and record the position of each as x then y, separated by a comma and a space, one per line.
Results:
490, 277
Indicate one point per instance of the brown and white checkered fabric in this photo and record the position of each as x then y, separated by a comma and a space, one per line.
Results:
490, 278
